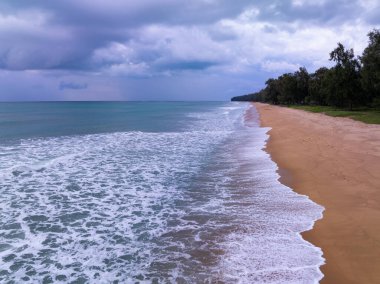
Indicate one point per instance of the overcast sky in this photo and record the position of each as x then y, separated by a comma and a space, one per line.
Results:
168, 49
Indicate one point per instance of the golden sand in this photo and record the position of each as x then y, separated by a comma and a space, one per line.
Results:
336, 162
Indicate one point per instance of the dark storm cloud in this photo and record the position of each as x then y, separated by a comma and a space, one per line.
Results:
187, 65
62, 41
72, 85
321, 12
64, 34
119, 13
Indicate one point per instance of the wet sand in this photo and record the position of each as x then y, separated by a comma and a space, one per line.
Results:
336, 162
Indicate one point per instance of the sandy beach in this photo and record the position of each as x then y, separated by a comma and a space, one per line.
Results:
336, 162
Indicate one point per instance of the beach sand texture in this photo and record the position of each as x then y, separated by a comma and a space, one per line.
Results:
336, 162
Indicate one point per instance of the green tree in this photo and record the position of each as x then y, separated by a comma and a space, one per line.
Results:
271, 91
302, 81
370, 73
287, 88
317, 88
346, 75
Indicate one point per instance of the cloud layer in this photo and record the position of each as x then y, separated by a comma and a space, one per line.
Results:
149, 41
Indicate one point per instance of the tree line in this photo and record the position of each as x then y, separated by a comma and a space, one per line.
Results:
352, 82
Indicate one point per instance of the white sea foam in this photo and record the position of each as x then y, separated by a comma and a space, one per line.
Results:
270, 249
199, 205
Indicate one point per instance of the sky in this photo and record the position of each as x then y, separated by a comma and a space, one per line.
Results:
168, 49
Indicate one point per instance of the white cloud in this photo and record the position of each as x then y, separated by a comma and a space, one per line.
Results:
273, 46
283, 66
115, 52
300, 3
369, 5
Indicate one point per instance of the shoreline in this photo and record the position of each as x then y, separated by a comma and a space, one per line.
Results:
334, 161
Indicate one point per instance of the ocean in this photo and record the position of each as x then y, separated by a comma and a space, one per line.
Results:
147, 192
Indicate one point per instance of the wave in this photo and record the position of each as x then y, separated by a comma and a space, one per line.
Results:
198, 205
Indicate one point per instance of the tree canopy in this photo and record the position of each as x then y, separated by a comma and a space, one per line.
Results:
351, 82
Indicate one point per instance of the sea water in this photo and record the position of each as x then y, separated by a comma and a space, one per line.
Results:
165, 192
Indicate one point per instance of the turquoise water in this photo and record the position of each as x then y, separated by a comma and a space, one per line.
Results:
146, 192
44, 119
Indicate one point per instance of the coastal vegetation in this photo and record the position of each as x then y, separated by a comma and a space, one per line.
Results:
350, 88
366, 115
